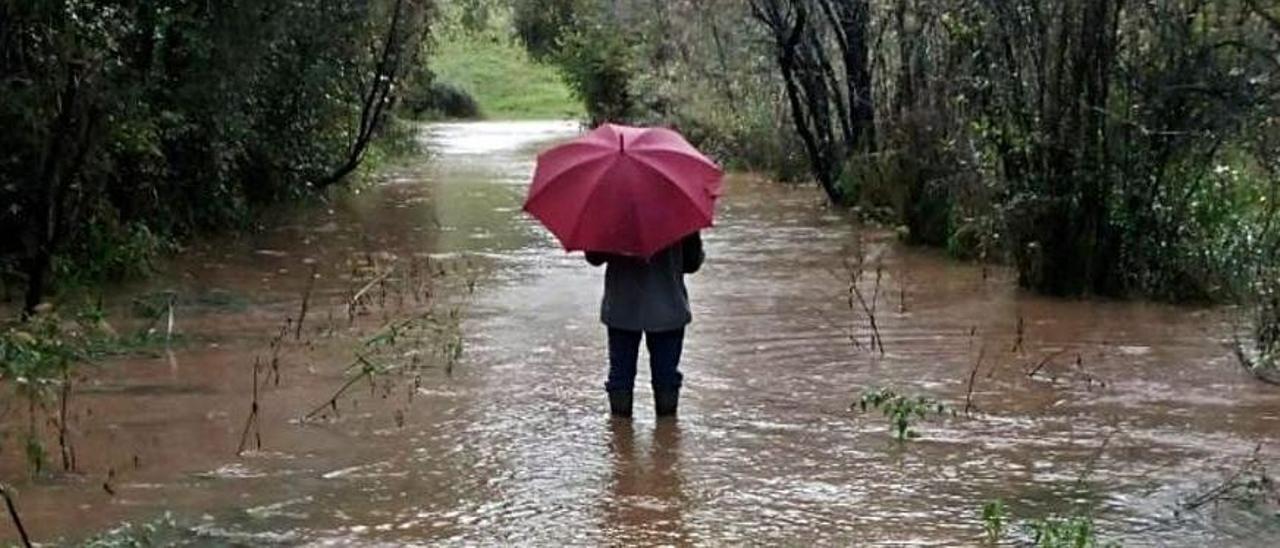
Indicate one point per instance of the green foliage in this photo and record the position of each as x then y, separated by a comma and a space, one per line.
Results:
540, 24
1077, 531
1107, 147
993, 520
441, 100
500, 78
41, 356
694, 66
35, 355
1057, 532
598, 64
476, 15
745, 134
36, 359
902, 411
1137, 173
129, 126
105, 253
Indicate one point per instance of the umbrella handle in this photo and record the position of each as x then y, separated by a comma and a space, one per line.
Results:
621, 148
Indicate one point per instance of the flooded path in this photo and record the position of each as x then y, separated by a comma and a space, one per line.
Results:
1133, 409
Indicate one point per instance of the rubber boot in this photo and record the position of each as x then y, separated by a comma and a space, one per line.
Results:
665, 401
620, 403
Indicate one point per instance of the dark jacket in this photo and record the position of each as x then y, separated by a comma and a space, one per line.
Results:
642, 295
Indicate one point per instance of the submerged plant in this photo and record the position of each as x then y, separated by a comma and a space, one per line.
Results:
40, 357
37, 357
902, 411
1054, 531
993, 520
1069, 532
430, 338
1249, 486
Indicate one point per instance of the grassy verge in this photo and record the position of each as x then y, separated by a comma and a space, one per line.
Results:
502, 78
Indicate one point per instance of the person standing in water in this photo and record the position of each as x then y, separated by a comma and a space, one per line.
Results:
647, 299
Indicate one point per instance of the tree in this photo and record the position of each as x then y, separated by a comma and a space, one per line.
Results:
130, 125
833, 110
53, 108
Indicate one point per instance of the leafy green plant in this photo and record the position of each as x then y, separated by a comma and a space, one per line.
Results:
39, 362
37, 358
598, 64
902, 411
1069, 532
993, 520
1054, 531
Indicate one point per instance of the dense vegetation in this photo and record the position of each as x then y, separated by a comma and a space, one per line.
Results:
130, 125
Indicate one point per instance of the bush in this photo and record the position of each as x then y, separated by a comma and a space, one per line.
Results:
442, 100
540, 24
597, 62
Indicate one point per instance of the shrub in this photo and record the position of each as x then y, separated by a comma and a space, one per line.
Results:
597, 62
901, 410
442, 100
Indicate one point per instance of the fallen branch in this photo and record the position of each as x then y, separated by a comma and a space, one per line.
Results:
332, 403
1043, 362
13, 515
355, 299
1227, 485
1094, 458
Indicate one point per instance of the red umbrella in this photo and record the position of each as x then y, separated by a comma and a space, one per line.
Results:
624, 190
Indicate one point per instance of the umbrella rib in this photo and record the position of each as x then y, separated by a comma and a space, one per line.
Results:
577, 226
550, 180
689, 154
666, 178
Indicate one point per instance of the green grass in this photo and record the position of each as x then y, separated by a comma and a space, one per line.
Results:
502, 78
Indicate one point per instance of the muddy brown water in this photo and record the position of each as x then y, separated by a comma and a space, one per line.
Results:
1140, 408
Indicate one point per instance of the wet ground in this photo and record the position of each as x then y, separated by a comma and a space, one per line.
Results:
1133, 408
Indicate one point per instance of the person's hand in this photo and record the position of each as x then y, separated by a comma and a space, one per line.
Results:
692, 252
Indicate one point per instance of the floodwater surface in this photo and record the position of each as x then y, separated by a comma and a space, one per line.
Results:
1132, 409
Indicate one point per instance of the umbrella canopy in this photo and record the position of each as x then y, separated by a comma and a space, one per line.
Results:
624, 190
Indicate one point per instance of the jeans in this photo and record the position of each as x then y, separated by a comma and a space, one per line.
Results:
664, 359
